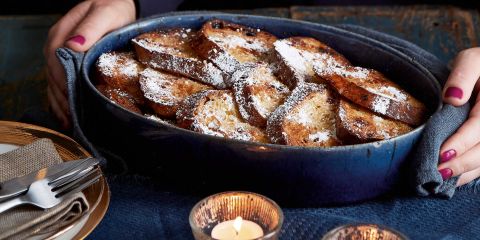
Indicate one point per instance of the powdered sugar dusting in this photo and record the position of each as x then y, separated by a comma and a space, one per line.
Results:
234, 41
389, 92
292, 57
157, 87
284, 112
202, 71
319, 136
303, 63
218, 117
380, 104
223, 61
262, 103
154, 46
121, 63
325, 65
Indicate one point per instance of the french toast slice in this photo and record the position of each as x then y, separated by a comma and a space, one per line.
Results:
372, 90
120, 97
294, 58
120, 70
307, 118
171, 51
164, 91
231, 46
214, 112
258, 93
359, 125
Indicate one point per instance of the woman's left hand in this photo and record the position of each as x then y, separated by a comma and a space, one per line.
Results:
460, 154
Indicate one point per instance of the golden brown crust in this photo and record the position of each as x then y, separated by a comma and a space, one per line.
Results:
372, 90
214, 112
165, 91
231, 46
119, 97
307, 118
359, 125
120, 70
258, 93
171, 51
295, 56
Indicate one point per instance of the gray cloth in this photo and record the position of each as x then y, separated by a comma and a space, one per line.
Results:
27, 221
442, 125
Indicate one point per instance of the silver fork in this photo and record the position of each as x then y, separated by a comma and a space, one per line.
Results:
62, 172
45, 195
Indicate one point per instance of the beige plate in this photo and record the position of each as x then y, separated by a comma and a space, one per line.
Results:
97, 195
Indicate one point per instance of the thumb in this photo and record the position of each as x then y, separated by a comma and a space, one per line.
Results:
462, 79
100, 19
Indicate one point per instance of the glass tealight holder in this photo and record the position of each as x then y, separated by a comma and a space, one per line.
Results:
224, 207
363, 232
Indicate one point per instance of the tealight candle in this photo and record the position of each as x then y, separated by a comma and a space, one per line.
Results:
237, 229
236, 216
363, 232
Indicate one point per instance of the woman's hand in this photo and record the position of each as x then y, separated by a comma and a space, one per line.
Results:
78, 30
460, 154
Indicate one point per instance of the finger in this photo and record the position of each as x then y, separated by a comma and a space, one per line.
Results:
56, 75
56, 38
56, 109
463, 77
61, 30
463, 139
100, 20
468, 177
60, 97
466, 162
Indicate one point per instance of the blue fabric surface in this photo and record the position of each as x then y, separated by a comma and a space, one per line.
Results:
141, 210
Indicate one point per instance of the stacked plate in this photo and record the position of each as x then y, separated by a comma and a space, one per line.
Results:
14, 135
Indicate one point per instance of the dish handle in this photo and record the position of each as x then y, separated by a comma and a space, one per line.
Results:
72, 62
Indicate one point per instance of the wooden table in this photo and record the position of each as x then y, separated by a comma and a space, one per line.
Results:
442, 30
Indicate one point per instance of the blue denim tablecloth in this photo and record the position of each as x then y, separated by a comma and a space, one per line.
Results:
141, 210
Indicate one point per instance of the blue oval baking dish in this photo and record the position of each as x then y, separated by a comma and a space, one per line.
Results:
188, 161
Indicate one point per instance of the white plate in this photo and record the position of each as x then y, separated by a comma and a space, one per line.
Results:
7, 147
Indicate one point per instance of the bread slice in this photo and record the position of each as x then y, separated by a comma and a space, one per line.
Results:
165, 91
359, 125
307, 118
170, 51
231, 46
294, 58
214, 112
372, 90
258, 93
120, 97
120, 70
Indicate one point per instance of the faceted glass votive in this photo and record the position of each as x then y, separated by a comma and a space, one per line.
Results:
228, 206
363, 232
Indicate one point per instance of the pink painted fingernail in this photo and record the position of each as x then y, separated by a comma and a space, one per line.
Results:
446, 173
454, 92
78, 39
448, 155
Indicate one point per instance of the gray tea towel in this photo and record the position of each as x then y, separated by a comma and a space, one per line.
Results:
27, 221
442, 125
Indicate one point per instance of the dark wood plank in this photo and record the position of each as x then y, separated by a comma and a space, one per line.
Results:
22, 66
442, 30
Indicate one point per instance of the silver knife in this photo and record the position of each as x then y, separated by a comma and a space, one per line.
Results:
57, 172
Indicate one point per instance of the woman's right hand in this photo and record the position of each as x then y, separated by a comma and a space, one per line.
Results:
78, 30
